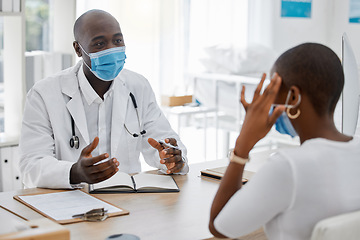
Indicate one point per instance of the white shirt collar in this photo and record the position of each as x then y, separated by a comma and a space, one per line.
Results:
88, 92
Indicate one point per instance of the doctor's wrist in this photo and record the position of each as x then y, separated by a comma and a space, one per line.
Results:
74, 175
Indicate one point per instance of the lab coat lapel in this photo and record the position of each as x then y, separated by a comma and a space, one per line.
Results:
76, 109
70, 87
120, 102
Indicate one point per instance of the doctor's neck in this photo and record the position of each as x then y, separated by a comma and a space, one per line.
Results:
99, 86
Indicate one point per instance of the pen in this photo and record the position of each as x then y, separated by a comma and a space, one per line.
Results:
168, 145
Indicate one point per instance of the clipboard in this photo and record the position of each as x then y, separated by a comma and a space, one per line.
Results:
28, 200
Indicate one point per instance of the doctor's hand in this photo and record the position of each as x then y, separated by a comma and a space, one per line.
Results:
86, 169
169, 156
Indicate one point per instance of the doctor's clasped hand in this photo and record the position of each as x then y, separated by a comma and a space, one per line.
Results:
169, 156
93, 169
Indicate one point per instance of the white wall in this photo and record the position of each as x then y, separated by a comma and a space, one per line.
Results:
329, 19
340, 24
62, 27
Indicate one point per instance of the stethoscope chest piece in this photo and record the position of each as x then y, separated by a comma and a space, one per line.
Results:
74, 142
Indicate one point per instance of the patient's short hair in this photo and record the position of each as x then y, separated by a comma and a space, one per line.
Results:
316, 70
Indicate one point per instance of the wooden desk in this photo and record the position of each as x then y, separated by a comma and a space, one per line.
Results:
182, 215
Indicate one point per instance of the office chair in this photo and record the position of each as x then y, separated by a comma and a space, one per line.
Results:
344, 226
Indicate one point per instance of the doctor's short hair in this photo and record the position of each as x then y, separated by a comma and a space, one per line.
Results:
78, 25
316, 70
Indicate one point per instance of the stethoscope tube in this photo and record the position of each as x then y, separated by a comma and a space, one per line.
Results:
75, 142
137, 115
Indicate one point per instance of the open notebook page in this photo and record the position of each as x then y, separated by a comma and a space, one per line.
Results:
144, 180
119, 179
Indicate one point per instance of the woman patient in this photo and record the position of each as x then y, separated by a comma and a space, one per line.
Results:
297, 187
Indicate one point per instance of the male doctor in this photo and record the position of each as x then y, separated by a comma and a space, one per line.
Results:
89, 121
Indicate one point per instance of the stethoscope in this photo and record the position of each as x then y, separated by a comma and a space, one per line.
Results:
75, 142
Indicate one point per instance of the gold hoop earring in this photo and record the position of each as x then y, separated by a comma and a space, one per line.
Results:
293, 116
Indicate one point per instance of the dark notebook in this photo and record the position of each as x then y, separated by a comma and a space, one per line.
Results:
218, 173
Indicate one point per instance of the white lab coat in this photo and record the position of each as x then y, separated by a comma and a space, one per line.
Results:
45, 154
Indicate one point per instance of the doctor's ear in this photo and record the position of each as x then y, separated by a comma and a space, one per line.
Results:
77, 48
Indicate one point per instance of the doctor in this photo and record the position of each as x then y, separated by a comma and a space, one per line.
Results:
89, 121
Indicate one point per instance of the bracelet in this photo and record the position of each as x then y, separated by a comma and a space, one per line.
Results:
238, 160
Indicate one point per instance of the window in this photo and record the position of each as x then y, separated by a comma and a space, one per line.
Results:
37, 25
1, 75
37, 38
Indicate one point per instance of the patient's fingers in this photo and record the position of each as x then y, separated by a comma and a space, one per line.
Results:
259, 87
242, 99
256, 93
276, 114
272, 89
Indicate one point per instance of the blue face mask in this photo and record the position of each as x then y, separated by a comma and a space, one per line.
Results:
107, 64
283, 124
